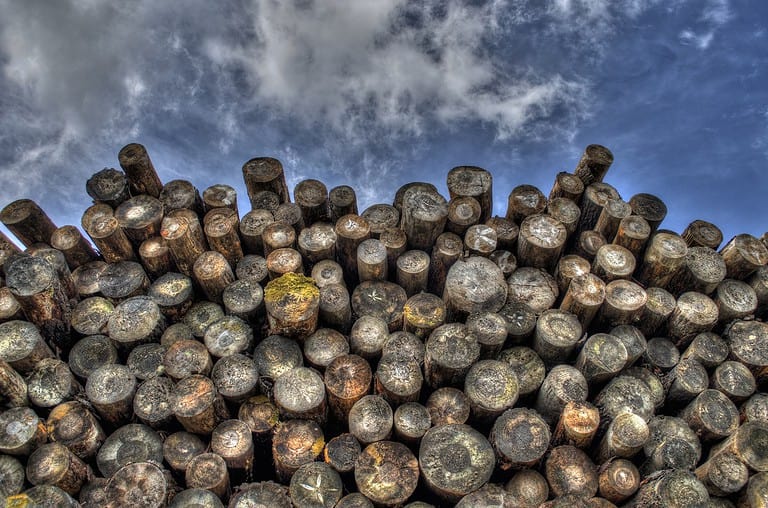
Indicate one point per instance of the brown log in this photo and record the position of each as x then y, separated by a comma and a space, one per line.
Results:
694, 313
235, 377
141, 174
292, 302
423, 217
527, 366
367, 337
540, 242
596, 196
223, 238
176, 332
624, 303
22, 346
185, 358
755, 408
756, 493
220, 196
28, 222
570, 471
316, 484
633, 340
747, 343
86, 278
317, 242
135, 321
244, 299
474, 285
665, 255
208, 471
735, 380
511, 452
587, 243
556, 335
51, 383
110, 389
474, 182
567, 186
404, 344
568, 268
743, 254
748, 443
625, 392
262, 493
156, 257
232, 441
411, 421
323, 346
266, 201
654, 388
701, 233
262, 416
172, 292
252, 228
54, 464
455, 460
328, 272
105, 231
505, 260
577, 425
10, 309
274, 356
387, 473
108, 186
527, 488
525, 200
140, 218
129, 443
152, 402
183, 232
335, 308
566, 211
12, 476
614, 211
398, 379
759, 283
196, 497
707, 348
212, 273
300, 393
400, 193
649, 207
723, 474
711, 415
633, 233
448, 405
521, 321
619, 479
197, 404
735, 299
594, 164
613, 262
462, 213
601, 358
146, 361
489, 328
73, 245
506, 232
702, 271
21, 431
372, 260
90, 353
57, 260
584, 298
381, 217
296, 442
342, 201
36, 286
446, 251
562, 385
178, 194
659, 305
265, 174
351, 231
491, 387
480, 240
347, 379
43, 495
450, 352
625, 436
282, 261
413, 271
380, 299
123, 280
73, 425
14, 388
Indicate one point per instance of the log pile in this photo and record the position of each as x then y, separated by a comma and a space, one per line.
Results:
417, 353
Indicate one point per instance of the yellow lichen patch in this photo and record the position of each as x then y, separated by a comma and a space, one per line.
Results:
317, 446
291, 284
17, 501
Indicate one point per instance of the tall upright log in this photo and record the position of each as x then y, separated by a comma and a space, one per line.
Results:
181, 194
423, 217
105, 231
594, 164
265, 173
141, 174
342, 201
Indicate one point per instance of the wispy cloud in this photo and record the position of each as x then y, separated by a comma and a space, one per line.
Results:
715, 14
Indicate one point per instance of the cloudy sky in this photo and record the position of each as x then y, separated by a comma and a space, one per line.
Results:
376, 93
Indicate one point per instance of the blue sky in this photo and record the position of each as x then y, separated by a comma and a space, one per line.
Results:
376, 93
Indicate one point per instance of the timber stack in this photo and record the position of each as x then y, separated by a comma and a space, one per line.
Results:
208, 349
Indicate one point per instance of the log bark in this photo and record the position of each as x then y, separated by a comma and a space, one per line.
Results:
51, 383
614, 211
734, 380
694, 313
22, 346
73, 425
335, 308
111, 389
711, 415
73, 245
265, 174
347, 380
184, 234
28, 222
566, 211
312, 198
14, 388
577, 425
625, 436
208, 471
524, 200
156, 257
568, 268
587, 243
447, 250
372, 260
213, 274
743, 255
665, 255
462, 213
568, 186
584, 298
413, 271
506, 233
223, 238
351, 231
387, 473
342, 201
296, 443
601, 358
633, 234
596, 196
562, 385
624, 303
105, 231
455, 460
618, 481
594, 164
395, 242
511, 453
54, 464
197, 404
252, 228
702, 271
108, 186
423, 217
37, 287
178, 194
649, 207
700, 233
142, 177
570, 471
140, 218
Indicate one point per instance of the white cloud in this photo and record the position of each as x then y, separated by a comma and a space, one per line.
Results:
700, 40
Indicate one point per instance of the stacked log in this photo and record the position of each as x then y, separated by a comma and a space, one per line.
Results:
418, 353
